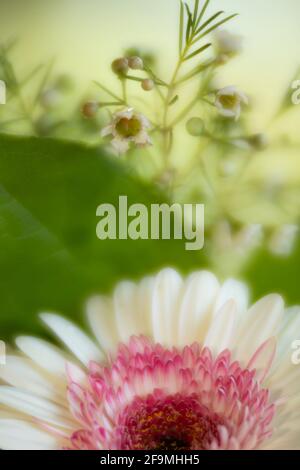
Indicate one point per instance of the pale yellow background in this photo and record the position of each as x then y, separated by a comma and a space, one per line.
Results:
86, 34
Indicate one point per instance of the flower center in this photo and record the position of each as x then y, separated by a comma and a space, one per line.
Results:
175, 422
228, 101
153, 398
128, 127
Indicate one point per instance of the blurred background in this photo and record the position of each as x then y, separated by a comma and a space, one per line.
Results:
84, 36
50, 257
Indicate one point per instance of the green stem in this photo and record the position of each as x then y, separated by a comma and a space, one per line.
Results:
124, 89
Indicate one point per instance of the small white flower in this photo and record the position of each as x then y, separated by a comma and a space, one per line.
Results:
228, 43
229, 102
243, 241
127, 126
283, 239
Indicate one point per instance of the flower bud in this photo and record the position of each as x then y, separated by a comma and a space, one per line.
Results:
136, 63
90, 109
120, 66
195, 127
147, 84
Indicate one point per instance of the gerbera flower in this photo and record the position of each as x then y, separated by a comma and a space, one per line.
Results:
127, 127
229, 102
180, 365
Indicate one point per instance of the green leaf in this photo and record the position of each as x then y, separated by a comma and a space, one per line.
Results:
202, 13
181, 26
268, 273
196, 8
189, 23
50, 257
174, 100
212, 18
209, 30
108, 91
197, 52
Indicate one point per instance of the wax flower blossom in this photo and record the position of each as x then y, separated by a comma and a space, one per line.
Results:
229, 102
127, 127
228, 43
180, 365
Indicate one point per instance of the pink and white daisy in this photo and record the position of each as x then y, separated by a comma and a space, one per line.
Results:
176, 364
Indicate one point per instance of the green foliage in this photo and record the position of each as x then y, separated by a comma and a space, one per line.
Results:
268, 274
50, 258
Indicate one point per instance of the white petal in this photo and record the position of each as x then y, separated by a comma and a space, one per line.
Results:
121, 145
76, 375
228, 90
164, 306
222, 328
227, 112
289, 331
244, 98
144, 305
262, 321
263, 358
21, 373
43, 354
237, 111
142, 139
199, 295
108, 130
126, 113
127, 315
77, 341
286, 441
101, 316
20, 435
233, 290
144, 120
285, 376
39, 408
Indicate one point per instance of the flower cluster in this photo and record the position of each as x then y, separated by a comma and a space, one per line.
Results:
189, 134
214, 168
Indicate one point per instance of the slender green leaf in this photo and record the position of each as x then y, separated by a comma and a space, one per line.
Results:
181, 26
202, 13
196, 8
212, 18
174, 100
214, 27
104, 88
198, 51
189, 23
155, 77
